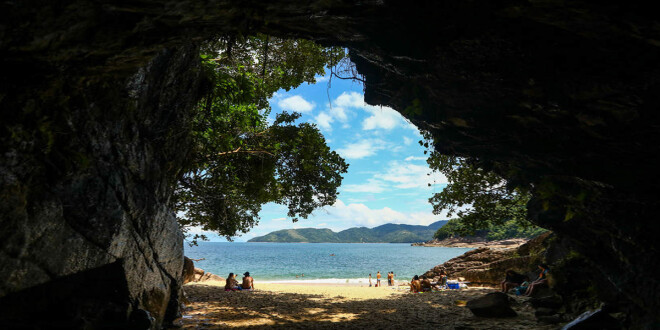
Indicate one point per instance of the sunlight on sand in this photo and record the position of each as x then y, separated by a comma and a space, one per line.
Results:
325, 306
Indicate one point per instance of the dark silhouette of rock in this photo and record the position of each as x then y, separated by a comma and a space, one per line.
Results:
547, 302
551, 319
597, 319
188, 270
544, 311
494, 304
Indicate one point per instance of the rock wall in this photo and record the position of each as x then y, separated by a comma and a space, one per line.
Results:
486, 266
88, 239
558, 96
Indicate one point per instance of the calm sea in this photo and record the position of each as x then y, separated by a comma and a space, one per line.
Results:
319, 262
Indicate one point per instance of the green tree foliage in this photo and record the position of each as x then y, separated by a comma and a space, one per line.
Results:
509, 229
481, 199
240, 161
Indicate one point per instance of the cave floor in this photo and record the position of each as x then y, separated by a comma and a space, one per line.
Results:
210, 307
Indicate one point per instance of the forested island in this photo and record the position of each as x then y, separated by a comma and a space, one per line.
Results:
387, 233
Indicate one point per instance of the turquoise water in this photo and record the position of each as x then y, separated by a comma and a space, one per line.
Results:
281, 262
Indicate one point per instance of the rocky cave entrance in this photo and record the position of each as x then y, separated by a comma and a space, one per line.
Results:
560, 97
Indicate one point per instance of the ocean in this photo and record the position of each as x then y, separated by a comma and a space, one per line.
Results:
319, 262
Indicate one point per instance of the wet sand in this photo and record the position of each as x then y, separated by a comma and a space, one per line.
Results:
331, 306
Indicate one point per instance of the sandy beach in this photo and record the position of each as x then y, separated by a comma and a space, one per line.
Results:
333, 306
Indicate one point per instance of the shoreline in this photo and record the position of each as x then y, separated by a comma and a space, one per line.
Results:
474, 243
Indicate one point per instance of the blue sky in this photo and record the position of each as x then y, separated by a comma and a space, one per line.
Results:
387, 180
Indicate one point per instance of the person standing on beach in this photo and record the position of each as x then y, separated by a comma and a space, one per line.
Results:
378, 279
369, 280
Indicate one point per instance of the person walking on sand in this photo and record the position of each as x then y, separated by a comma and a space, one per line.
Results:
369, 280
378, 279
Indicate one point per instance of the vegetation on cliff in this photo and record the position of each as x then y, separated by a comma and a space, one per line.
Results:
485, 203
387, 233
509, 229
240, 160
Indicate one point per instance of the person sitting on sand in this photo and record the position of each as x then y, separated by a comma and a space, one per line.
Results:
512, 280
415, 284
443, 278
425, 283
248, 282
540, 281
230, 283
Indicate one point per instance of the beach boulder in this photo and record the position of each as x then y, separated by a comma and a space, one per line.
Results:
494, 304
188, 270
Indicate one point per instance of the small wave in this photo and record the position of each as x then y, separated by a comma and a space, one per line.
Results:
328, 281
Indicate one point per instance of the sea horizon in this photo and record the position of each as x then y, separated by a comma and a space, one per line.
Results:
327, 263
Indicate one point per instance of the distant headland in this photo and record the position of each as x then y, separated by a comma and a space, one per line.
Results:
387, 233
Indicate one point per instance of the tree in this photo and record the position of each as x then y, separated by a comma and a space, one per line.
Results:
240, 161
481, 199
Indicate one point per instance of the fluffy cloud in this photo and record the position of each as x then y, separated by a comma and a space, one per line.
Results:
399, 175
406, 175
372, 186
341, 216
411, 158
324, 121
350, 100
380, 118
407, 141
296, 103
361, 149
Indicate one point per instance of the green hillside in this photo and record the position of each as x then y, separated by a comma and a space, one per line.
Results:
387, 233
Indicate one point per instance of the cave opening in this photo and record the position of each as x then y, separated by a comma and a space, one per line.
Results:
558, 97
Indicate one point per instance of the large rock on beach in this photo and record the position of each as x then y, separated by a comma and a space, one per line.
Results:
494, 304
486, 266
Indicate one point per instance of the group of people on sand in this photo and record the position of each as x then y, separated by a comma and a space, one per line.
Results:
521, 284
424, 284
390, 279
232, 284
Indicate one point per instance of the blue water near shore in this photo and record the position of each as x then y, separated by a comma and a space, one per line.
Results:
351, 263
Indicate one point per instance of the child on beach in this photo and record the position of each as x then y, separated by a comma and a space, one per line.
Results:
369, 280
378, 278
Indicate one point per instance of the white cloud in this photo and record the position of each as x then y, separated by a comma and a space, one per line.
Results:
406, 175
411, 158
279, 219
350, 100
398, 175
321, 79
382, 117
372, 186
339, 113
324, 121
407, 141
296, 103
342, 216
361, 149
